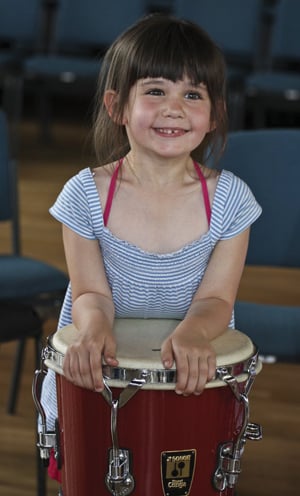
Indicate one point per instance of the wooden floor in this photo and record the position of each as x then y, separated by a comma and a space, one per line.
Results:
270, 467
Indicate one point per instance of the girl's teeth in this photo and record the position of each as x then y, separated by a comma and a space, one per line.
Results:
167, 131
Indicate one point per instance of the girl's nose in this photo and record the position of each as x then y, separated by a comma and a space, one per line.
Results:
173, 108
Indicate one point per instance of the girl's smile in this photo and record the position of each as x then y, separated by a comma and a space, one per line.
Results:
170, 132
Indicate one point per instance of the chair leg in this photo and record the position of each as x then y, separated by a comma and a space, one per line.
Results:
13, 103
41, 476
38, 342
15, 382
16, 377
44, 109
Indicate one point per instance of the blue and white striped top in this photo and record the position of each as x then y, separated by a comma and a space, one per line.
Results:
147, 284
151, 285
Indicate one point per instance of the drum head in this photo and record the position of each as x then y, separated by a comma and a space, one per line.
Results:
139, 347
139, 342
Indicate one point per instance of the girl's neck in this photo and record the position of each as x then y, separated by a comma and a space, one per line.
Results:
163, 173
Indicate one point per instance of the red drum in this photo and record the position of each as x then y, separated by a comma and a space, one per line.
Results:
140, 437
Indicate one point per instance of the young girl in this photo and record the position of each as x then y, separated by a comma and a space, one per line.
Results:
151, 231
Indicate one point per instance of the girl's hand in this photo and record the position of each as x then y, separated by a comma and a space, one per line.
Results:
195, 360
83, 360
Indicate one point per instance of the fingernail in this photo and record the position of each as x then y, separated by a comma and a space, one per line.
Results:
178, 391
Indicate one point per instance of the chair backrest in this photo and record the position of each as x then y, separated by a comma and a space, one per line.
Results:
20, 21
8, 185
285, 40
5, 179
234, 25
94, 23
268, 161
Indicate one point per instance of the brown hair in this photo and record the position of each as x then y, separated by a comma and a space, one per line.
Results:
164, 46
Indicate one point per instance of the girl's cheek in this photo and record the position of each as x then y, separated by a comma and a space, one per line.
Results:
140, 118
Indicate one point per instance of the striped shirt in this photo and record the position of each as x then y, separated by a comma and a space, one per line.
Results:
144, 284
147, 284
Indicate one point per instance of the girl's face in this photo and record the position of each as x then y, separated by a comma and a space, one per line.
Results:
167, 118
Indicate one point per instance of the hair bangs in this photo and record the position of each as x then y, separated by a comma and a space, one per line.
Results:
163, 53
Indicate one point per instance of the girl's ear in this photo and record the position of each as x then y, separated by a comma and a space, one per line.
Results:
212, 126
221, 110
109, 100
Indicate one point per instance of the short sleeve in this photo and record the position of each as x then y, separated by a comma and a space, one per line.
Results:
240, 208
72, 208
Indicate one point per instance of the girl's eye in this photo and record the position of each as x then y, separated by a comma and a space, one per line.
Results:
194, 95
155, 92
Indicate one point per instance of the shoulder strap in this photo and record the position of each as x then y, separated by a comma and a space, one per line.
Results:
111, 192
204, 191
113, 183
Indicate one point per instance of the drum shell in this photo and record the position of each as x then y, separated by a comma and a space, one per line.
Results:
152, 422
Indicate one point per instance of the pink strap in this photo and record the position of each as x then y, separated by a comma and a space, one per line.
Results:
111, 192
113, 182
204, 191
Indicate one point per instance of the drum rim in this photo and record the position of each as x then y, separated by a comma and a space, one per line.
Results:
156, 375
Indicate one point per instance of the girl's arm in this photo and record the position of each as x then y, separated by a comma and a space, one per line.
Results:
208, 317
92, 313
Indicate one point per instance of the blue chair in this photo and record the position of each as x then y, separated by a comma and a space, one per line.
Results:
277, 88
80, 35
238, 28
20, 29
23, 280
23, 27
268, 161
19, 322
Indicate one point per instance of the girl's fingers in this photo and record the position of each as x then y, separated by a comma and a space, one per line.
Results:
96, 372
83, 365
167, 357
203, 376
212, 365
78, 369
182, 368
193, 372
109, 352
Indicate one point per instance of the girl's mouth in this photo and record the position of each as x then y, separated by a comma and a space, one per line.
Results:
163, 131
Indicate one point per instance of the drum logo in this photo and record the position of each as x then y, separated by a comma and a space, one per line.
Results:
177, 472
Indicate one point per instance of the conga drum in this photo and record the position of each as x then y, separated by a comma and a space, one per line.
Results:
139, 437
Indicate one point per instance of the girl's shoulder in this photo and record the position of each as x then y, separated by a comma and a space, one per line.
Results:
91, 173
87, 181
78, 205
231, 184
235, 207
80, 179
223, 183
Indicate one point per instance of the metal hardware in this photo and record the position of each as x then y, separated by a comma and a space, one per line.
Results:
46, 439
253, 432
230, 453
119, 480
128, 392
228, 468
